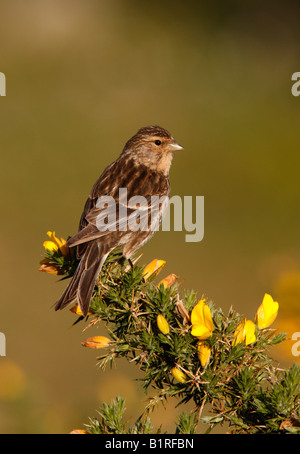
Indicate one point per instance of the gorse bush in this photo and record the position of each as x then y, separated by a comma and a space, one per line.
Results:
186, 348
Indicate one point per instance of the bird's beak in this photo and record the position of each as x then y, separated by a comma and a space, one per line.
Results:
174, 147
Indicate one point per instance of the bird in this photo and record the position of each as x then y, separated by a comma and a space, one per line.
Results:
142, 173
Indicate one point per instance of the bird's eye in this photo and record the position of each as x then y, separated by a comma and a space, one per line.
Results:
157, 142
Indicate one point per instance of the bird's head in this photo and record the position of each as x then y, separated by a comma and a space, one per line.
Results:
152, 146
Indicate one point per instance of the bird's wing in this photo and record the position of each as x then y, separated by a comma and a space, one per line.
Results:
108, 209
101, 220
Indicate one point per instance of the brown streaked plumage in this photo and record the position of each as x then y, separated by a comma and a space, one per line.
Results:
143, 169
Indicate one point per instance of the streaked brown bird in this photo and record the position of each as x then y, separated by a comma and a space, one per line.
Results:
142, 170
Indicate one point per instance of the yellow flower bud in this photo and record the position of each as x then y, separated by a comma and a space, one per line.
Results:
178, 375
204, 352
47, 267
202, 324
169, 280
267, 312
245, 332
96, 342
76, 310
79, 432
50, 269
154, 266
162, 324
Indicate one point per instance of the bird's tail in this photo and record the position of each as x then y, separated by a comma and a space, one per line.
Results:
83, 282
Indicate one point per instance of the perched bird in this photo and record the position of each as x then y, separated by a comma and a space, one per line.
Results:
142, 170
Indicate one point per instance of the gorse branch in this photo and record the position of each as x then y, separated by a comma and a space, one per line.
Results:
189, 349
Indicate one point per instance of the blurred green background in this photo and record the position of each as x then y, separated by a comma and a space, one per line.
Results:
82, 77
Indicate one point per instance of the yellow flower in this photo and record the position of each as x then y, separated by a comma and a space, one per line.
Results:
267, 312
202, 324
56, 244
96, 342
245, 332
204, 352
169, 280
76, 309
79, 432
178, 375
154, 266
162, 324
